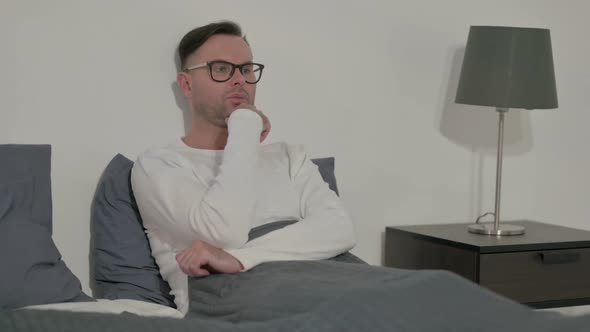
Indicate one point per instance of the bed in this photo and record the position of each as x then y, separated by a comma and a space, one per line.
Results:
39, 293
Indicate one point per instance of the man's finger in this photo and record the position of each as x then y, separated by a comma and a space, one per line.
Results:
263, 135
196, 267
183, 267
198, 272
265, 126
180, 256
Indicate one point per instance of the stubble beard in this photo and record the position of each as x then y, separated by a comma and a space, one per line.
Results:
216, 114
213, 115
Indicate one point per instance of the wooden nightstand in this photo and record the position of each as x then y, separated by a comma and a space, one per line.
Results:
548, 266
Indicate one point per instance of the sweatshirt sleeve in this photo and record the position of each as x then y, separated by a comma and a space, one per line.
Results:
171, 196
325, 230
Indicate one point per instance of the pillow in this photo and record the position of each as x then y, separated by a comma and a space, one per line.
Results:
123, 266
28, 162
32, 270
326, 167
16, 199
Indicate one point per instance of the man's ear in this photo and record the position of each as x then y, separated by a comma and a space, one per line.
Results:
184, 83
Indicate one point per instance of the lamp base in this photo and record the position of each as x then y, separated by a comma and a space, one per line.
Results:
503, 229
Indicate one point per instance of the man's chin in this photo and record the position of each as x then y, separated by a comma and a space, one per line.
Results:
222, 124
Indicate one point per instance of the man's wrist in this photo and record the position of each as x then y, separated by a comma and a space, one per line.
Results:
241, 257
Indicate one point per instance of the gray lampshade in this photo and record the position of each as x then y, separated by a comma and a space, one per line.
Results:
508, 67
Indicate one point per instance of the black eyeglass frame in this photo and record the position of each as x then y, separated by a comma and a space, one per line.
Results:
232, 72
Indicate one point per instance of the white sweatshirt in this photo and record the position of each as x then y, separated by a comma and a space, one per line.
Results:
186, 194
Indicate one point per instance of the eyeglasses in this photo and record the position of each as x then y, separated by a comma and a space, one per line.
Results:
222, 71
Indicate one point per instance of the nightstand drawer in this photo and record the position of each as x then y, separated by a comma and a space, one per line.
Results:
536, 276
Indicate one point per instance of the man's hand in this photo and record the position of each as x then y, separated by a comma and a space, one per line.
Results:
265, 121
202, 259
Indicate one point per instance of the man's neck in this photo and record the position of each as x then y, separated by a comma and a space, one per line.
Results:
206, 137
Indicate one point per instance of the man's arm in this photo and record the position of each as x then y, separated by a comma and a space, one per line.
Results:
171, 196
325, 231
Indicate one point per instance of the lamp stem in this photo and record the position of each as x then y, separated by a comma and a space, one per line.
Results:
501, 112
488, 228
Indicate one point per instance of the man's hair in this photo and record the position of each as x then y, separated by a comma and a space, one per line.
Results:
198, 36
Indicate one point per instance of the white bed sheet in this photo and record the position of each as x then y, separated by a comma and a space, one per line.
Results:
571, 311
114, 306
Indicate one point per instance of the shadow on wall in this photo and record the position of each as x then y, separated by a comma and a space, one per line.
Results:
383, 253
475, 128
180, 99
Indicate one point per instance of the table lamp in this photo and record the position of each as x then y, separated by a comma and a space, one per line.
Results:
506, 67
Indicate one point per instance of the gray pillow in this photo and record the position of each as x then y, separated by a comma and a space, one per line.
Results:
37, 274
29, 162
326, 168
32, 269
123, 267
16, 199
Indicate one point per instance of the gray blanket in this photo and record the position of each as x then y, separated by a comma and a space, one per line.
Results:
293, 296
337, 296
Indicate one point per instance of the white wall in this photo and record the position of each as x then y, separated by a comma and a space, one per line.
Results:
369, 82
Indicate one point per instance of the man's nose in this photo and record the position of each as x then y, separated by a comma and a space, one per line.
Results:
238, 78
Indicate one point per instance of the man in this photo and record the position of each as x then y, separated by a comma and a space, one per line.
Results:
200, 196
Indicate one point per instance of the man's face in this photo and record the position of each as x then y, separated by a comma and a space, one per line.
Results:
214, 101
